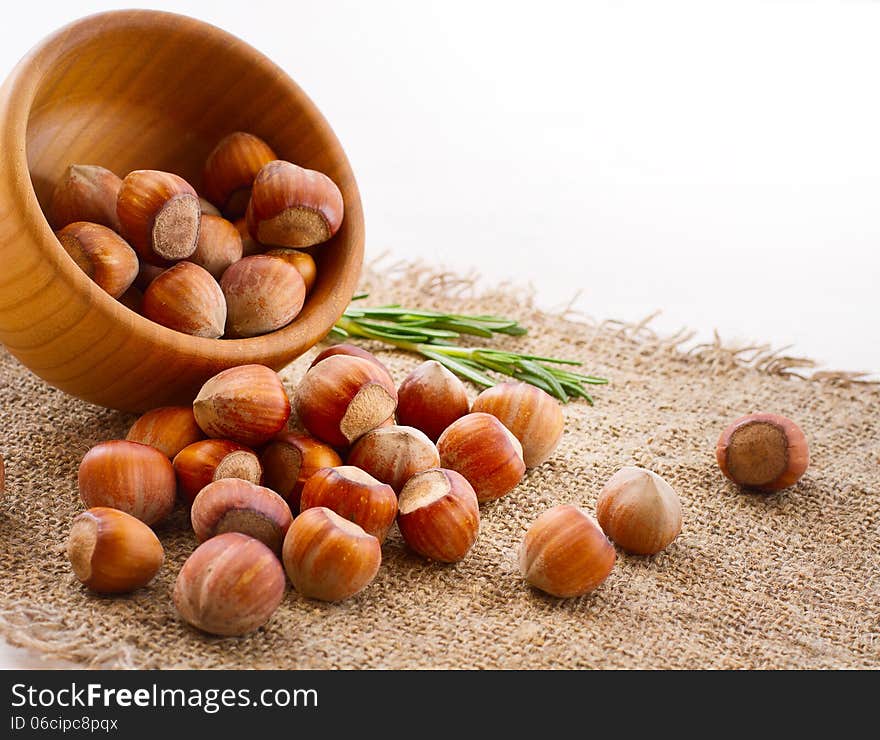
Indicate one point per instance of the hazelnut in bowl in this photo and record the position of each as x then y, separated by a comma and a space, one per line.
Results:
145, 90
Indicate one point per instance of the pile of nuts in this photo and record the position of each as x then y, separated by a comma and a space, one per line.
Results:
150, 240
266, 501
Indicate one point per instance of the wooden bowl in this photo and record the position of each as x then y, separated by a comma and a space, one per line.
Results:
145, 90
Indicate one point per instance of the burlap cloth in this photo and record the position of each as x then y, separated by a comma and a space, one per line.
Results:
789, 580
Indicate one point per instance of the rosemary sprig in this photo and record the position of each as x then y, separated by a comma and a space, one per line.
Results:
432, 334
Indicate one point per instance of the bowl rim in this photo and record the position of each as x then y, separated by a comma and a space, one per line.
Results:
276, 348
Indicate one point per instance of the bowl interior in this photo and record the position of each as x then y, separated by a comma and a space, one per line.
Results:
148, 90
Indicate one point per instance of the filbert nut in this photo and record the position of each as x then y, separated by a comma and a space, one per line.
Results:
209, 460
187, 299
86, 193
290, 459
262, 294
291, 206
639, 511
394, 454
328, 557
230, 171
485, 452
230, 585
247, 404
430, 399
343, 397
159, 215
208, 208
302, 261
565, 553
218, 245
169, 429
101, 254
533, 415
235, 505
438, 515
128, 476
112, 552
764, 452
354, 495
249, 245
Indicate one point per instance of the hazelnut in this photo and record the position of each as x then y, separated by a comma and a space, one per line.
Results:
101, 254
230, 585
354, 495
210, 460
533, 415
329, 558
128, 476
248, 245
187, 299
86, 193
262, 294
2, 477
230, 171
208, 208
639, 511
247, 404
565, 553
293, 207
291, 459
112, 552
394, 454
483, 450
146, 275
342, 398
218, 246
765, 452
159, 214
302, 261
439, 516
169, 429
351, 350
235, 505
431, 398
132, 299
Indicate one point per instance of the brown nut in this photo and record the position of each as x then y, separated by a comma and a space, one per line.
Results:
2, 477
101, 254
208, 208
86, 193
354, 495
230, 171
128, 476
291, 459
342, 397
764, 452
565, 553
533, 415
439, 516
112, 552
169, 429
430, 399
210, 460
218, 245
302, 261
230, 585
639, 511
247, 404
394, 454
484, 451
350, 350
146, 275
262, 294
159, 214
248, 245
329, 558
187, 299
235, 505
293, 207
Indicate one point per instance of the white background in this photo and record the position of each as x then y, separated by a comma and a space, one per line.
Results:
716, 160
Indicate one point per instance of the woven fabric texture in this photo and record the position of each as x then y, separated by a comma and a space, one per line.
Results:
790, 580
